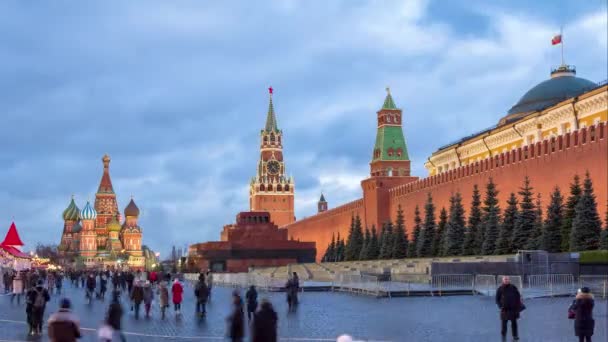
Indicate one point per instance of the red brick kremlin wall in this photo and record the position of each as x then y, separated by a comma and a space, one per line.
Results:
547, 164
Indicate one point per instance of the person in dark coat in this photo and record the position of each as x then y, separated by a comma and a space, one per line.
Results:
201, 292
236, 323
137, 296
91, 285
37, 297
114, 316
63, 325
264, 328
584, 323
251, 297
509, 302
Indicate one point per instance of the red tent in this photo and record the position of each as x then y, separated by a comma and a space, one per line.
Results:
12, 237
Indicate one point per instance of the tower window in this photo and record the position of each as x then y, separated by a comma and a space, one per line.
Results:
390, 151
388, 119
399, 152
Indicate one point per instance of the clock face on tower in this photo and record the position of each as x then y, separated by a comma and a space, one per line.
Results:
273, 167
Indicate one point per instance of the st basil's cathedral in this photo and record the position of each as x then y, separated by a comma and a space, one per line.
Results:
95, 236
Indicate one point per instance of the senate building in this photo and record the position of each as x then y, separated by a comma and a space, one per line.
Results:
94, 237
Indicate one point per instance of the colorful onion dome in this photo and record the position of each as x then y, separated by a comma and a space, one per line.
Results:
88, 212
132, 209
71, 213
76, 228
113, 225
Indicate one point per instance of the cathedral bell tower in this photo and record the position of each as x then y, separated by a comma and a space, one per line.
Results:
271, 190
390, 165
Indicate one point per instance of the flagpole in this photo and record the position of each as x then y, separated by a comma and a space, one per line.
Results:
561, 34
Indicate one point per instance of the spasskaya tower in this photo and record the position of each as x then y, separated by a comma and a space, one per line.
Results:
271, 190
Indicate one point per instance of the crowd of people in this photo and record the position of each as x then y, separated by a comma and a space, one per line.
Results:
141, 288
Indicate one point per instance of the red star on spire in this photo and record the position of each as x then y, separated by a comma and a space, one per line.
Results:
270, 90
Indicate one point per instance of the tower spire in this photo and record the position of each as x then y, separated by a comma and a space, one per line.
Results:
271, 119
105, 186
388, 101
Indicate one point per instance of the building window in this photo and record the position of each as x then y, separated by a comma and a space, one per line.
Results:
388, 119
390, 151
399, 152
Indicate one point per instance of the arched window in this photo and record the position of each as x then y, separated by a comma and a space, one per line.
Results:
390, 151
272, 138
388, 119
265, 139
389, 172
399, 152
269, 187
262, 187
287, 187
279, 187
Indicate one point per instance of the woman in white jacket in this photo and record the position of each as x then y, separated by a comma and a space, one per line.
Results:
17, 287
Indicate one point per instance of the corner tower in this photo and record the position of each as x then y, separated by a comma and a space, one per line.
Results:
390, 157
390, 165
271, 190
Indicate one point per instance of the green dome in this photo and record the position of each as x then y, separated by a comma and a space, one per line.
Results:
76, 228
562, 85
71, 213
113, 225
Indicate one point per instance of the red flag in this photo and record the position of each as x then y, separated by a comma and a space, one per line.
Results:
557, 39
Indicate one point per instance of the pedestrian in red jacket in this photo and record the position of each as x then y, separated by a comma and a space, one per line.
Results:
177, 290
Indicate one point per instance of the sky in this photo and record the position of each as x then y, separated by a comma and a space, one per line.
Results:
176, 93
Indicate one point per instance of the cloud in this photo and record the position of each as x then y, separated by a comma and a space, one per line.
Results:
176, 94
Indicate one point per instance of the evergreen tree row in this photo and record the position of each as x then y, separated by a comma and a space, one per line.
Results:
570, 224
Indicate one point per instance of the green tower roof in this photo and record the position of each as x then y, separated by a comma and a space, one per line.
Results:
271, 119
388, 101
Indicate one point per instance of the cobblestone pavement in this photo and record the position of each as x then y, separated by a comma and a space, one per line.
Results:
322, 316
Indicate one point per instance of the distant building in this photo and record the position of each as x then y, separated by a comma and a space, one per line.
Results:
94, 235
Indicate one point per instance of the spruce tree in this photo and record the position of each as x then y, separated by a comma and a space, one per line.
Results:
473, 240
575, 194
412, 250
425, 248
390, 240
349, 240
439, 240
382, 243
400, 243
586, 224
364, 254
455, 227
330, 253
552, 234
535, 242
355, 242
490, 219
504, 243
340, 247
526, 221
374, 245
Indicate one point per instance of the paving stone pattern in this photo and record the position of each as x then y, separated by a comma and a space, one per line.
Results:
324, 315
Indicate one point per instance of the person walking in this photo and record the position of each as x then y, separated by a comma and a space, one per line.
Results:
103, 286
38, 297
129, 279
236, 324
264, 327
582, 307
163, 297
91, 285
50, 282
63, 325
137, 296
114, 315
177, 291
251, 297
201, 292
148, 296
209, 282
8, 281
18, 287
509, 302
59, 282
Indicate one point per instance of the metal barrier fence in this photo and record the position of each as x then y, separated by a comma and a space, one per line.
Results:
551, 284
485, 284
598, 284
357, 283
453, 282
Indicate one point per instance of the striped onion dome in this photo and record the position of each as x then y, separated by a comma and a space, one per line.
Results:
76, 228
72, 212
113, 225
132, 209
88, 212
